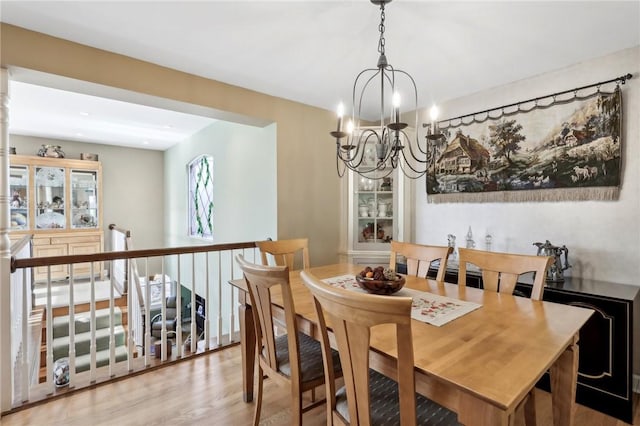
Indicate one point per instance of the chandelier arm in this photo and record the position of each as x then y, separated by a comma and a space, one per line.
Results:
413, 155
340, 174
406, 164
357, 114
415, 173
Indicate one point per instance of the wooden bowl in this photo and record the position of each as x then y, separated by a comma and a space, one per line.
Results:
380, 286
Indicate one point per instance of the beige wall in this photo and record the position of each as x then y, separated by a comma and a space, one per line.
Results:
308, 188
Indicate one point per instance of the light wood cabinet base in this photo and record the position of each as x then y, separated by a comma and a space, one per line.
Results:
72, 243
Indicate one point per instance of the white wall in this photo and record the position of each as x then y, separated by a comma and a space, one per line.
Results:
603, 237
244, 183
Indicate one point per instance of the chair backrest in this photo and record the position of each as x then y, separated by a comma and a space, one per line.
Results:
419, 258
500, 271
284, 251
260, 279
351, 316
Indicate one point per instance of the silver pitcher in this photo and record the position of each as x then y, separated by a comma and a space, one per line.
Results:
555, 273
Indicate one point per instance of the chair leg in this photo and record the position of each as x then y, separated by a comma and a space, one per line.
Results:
530, 409
256, 414
296, 407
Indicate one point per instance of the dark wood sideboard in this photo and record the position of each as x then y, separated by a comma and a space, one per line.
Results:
605, 373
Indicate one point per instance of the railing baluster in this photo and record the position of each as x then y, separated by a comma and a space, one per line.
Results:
220, 294
179, 311
92, 307
207, 307
129, 335
72, 329
147, 316
26, 342
112, 322
194, 329
49, 334
231, 301
163, 312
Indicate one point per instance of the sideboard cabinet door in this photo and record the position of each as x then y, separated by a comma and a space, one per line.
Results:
605, 373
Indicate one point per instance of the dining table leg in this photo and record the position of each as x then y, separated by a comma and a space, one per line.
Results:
247, 345
564, 380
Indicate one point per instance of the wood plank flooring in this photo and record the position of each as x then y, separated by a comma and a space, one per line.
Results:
205, 390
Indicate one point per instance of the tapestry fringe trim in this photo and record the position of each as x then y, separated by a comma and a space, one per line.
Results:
607, 193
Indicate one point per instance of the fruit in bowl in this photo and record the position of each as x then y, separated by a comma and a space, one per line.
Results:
379, 280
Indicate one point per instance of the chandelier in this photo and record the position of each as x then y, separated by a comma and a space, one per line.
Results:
371, 150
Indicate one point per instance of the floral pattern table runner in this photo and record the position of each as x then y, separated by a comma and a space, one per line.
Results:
427, 307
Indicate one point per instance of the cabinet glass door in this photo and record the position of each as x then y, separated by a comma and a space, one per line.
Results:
19, 204
375, 207
50, 190
84, 199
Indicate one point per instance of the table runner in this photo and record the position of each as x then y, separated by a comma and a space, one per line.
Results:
426, 307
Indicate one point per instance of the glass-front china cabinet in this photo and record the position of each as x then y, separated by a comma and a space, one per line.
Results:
378, 212
59, 202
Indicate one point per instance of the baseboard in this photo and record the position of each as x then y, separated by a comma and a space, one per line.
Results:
636, 383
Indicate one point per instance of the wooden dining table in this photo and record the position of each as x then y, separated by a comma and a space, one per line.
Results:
481, 365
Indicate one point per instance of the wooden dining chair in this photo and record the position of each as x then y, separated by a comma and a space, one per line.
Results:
500, 272
419, 258
293, 359
368, 397
284, 251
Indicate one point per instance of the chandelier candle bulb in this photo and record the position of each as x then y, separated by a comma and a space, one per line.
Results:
433, 113
350, 126
396, 106
340, 114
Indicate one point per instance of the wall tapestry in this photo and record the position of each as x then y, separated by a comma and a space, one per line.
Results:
544, 149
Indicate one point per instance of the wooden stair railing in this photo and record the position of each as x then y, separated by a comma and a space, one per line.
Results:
214, 251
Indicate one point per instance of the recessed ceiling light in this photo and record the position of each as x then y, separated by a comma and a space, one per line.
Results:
168, 126
145, 142
84, 114
79, 134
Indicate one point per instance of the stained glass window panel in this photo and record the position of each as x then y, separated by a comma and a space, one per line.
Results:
201, 197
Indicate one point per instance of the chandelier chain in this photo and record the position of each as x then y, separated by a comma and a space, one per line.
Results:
381, 29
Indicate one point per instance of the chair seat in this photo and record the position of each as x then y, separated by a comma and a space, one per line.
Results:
383, 394
310, 357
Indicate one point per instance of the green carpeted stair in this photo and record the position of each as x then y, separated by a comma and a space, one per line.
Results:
82, 338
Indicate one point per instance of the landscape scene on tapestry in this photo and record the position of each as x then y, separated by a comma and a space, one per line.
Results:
572, 144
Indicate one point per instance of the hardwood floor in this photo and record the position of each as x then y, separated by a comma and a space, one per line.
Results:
205, 390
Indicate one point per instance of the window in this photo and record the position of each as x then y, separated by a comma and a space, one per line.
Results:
201, 197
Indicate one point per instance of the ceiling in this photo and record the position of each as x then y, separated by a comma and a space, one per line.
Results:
291, 49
